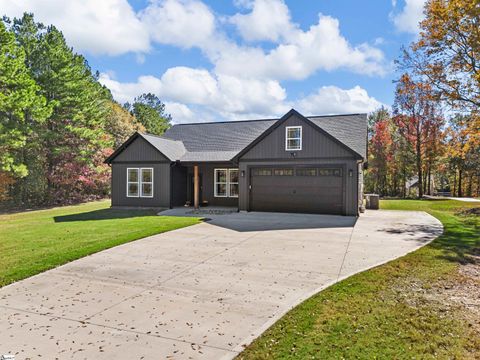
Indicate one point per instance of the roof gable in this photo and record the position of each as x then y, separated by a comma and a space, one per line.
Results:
136, 149
280, 146
227, 141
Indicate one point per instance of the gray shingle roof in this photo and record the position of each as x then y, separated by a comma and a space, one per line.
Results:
172, 149
351, 130
219, 141
222, 141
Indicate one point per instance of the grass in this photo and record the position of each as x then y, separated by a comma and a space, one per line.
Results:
401, 310
35, 241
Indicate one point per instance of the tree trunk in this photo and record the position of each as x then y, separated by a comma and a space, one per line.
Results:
454, 192
419, 164
469, 188
429, 184
460, 173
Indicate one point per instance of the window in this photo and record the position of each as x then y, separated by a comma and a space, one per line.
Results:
132, 182
221, 182
233, 182
226, 182
139, 182
293, 138
283, 172
329, 172
262, 172
147, 182
306, 172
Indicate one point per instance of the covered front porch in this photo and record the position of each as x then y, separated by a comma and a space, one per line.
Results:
205, 185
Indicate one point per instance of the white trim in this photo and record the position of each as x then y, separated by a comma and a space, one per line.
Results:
133, 182
140, 182
145, 182
233, 183
215, 183
292, 138
227, 182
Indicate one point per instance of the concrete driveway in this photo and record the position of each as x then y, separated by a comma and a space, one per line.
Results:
199, 292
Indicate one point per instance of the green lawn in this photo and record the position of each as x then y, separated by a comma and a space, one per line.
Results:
405, 309
34, 241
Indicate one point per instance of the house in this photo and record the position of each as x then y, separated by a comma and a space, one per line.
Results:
292, 164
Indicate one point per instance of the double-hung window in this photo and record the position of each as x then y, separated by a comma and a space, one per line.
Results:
293, 138
140, 182
226, 182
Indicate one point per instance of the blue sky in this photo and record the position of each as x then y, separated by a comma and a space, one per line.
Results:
216, 60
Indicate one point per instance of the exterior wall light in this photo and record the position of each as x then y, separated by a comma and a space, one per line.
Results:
350, 173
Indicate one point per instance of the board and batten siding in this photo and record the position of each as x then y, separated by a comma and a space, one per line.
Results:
140, 154
317, 149
314, 144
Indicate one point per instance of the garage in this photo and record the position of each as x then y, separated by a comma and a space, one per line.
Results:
299, 188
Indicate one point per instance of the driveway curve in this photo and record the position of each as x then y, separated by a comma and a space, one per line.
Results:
199, 292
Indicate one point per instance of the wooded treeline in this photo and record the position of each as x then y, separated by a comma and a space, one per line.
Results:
57, 122
432, 135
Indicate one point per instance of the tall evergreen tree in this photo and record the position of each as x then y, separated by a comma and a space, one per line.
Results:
22, 108
150, 111
75, 131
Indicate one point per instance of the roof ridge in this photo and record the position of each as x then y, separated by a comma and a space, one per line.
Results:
265, 119
227, 122
334, 115
161, 137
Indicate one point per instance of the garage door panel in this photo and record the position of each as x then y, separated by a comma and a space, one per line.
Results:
320, 192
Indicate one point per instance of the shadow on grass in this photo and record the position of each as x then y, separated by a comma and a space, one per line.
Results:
105, 214
460, 242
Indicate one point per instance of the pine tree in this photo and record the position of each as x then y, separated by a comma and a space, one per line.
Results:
22, 108
150, 111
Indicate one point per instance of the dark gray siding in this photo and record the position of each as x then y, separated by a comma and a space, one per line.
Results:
179, 185
314, 144
140, 150
206, 171
161, 185
317, 149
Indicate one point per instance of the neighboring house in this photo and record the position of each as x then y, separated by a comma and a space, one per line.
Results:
291, 164
411, 186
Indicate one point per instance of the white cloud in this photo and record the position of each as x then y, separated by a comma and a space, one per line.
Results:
98, 27
302, 53
222, 94
408, 19
126, 92
268, 20
208, 97
181, 113
245, 79
185, 23
334, 100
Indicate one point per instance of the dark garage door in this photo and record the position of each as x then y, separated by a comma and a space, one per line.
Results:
297, 189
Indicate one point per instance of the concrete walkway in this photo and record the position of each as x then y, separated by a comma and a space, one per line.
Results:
465, 199
199, 292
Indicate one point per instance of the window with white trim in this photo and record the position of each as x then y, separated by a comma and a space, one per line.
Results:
132, 182
226, 182
139, 182
233, 182
293, 138
146, 181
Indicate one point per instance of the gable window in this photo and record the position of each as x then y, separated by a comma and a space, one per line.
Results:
293, 138
226, 182
139, 182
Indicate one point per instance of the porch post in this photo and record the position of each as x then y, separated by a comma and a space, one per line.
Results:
196, 187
